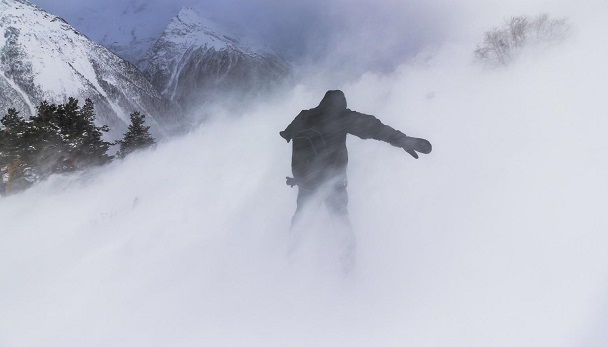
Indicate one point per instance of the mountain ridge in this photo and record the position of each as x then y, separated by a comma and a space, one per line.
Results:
194, 61
42, 57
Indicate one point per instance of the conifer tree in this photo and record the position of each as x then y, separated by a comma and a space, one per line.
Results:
59, 138
48, 149
137, 137
13, 150
12, 135
68, 138
88, 145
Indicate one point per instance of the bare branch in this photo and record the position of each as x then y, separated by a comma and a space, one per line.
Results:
500, 45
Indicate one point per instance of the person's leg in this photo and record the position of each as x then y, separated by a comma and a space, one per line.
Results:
304, 197
337, 204
298, 221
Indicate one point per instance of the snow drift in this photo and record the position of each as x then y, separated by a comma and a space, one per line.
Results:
497, 238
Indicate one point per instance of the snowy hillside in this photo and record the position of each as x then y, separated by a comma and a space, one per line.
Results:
195, 62
44, 58
497, 238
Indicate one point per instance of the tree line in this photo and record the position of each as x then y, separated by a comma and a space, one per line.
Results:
60, 138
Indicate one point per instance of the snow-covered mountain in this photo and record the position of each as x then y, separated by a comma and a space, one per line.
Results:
128, 28
44, 58
194, 61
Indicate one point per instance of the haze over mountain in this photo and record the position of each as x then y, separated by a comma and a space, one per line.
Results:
128, 28
193, 62
303, 31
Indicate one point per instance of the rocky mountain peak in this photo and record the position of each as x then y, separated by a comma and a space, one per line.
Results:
194, 62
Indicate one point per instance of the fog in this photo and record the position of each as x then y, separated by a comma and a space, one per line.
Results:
496, 238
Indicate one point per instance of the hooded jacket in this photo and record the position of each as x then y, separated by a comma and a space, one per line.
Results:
333, 120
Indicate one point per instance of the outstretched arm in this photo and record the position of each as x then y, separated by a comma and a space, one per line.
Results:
369, 127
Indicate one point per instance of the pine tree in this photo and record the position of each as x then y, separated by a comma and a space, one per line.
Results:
137, 137
48, 149
87, 142
12, 135
59, 138
13, 150
67, 137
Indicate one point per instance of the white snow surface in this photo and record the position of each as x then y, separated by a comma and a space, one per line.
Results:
496, 238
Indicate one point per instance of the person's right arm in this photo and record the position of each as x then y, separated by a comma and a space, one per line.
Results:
292, 128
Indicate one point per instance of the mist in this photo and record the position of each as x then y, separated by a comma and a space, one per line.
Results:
496, 238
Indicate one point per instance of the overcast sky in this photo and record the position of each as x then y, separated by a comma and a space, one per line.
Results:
370, 35
375, 33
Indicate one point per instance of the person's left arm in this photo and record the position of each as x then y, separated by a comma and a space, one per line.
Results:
369, 127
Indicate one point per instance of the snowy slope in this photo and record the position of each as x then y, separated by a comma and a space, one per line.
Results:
44, 58
194, 61
497, 238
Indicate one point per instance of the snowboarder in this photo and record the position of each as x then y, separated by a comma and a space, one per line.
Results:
320, 157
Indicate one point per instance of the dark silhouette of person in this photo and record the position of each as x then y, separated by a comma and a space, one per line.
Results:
320, 157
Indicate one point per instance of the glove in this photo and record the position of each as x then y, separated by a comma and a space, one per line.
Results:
413, 145
290, 181
285, 135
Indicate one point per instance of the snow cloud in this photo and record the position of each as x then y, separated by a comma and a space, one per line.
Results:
497, 238
376, 35
371, 33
